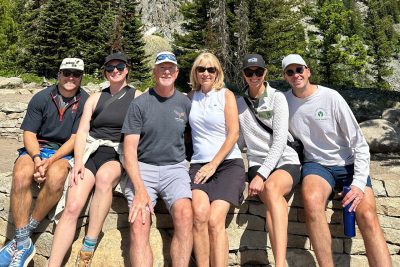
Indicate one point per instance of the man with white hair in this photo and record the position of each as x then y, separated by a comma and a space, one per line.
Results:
49, 130
336, 154
154, 154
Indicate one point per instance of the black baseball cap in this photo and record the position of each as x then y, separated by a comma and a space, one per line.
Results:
253, 60
116, 56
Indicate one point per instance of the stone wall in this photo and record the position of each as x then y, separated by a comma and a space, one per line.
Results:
249, 244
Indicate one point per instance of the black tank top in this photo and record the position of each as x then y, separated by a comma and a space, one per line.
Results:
107, 125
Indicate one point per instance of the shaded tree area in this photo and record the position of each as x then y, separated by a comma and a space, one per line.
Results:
346, 42
232, 28
343, 41
48, 31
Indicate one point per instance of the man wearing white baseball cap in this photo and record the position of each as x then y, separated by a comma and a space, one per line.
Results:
336, 154
154, 154
49, 130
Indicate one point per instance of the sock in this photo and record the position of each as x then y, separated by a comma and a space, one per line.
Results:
33, 224
89, 244
22, 237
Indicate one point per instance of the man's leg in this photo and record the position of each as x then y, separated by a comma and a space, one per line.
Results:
21, 201
21, 194
140, 251
367, 221
52, 189
182, 241
315, 192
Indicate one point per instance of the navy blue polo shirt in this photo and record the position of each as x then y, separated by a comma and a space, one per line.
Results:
50, 122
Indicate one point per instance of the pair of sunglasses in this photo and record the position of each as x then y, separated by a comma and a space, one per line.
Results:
75, 73
201, 69
298, 70
166, 56
119, 66
249, 72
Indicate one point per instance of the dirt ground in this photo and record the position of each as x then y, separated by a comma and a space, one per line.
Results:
383, 167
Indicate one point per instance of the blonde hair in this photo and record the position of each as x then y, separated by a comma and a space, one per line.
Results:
202, 60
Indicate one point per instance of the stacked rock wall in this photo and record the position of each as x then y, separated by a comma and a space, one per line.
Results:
249, 244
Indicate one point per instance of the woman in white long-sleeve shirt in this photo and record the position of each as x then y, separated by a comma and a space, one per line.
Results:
274, 167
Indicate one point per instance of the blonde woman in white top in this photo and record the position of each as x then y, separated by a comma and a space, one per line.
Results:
217, 169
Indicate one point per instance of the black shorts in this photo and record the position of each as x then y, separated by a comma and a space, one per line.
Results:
102, 155
293, 169
227, 183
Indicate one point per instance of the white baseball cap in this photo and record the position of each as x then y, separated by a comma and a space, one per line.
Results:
72, 64
293, 59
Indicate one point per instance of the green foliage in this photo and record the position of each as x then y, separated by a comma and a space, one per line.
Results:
340, 54
275, 31
198, 37
382, 40
133, 44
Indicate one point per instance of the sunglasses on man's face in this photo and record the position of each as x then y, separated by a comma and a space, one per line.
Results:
249, 72
201, 69
298, 70
75, 73
119, 66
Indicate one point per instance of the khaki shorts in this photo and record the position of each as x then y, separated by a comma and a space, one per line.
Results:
170, 182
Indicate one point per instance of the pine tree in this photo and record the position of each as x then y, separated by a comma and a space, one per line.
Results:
54, 38
8, 34
382, 40
275, 31
199, 36
342, 59
132, 42
92, 32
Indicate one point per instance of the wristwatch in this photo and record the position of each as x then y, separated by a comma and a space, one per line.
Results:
35, 156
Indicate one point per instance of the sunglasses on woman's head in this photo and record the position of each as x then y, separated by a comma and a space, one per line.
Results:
201, 69
249, 72
75, 73
298, 70
119, 66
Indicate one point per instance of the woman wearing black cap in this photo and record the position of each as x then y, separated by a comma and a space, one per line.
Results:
96, 163
274, 167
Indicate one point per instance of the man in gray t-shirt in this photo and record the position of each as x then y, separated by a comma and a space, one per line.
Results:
154, 155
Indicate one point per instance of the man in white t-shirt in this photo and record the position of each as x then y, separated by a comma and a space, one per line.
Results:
336, 154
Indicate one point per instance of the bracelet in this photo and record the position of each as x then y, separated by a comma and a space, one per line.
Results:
35, 156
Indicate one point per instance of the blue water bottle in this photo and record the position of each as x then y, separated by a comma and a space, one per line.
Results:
349, 218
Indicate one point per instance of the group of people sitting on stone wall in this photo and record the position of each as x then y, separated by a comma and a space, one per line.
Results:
98, 138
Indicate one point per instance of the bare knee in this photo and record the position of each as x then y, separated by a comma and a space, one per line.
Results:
216, 225
139, 232
183, 218
367, 219
21, 181
73, 209
272, 192
56, 176
104, 182
200, 216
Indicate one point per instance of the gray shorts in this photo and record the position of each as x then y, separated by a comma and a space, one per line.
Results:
170, 182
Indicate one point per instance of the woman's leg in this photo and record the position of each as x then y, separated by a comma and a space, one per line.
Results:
65, 230
219, 246
107, 177
278, 184
201, 215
